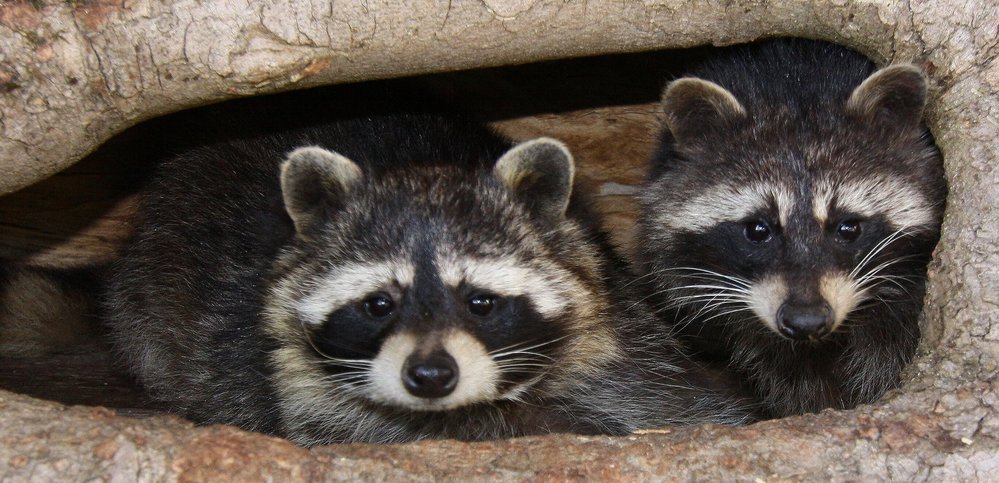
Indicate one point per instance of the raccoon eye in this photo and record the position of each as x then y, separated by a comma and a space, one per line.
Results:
482, 304
757, 231
379, 306
848, 231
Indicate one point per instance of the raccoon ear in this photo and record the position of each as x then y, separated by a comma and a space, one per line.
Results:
314, 182
694, 106
540, 174
893, 97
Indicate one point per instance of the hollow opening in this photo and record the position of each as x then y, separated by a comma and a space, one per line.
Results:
606, 109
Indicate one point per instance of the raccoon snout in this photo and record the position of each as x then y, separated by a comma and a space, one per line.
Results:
432, 376
801, 322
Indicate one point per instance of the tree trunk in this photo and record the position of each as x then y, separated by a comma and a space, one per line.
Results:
73, 74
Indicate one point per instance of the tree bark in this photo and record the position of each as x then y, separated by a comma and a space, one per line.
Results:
72, 74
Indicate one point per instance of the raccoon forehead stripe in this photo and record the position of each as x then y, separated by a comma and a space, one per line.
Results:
902, 205
349, 283
728, 203
547, 290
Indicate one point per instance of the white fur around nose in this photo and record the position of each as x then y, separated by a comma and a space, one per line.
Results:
841, 293
478, 374
766, 297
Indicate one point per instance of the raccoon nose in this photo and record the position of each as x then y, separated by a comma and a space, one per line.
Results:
802, 322
430, 376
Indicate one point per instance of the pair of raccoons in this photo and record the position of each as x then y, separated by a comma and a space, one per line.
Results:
393, 277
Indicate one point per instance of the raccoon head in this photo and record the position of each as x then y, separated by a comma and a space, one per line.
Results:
760, 216
431, 288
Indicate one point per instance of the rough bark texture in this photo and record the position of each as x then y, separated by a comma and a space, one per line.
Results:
74, 73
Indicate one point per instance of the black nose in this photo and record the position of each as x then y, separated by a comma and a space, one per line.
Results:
430, 376
802, 322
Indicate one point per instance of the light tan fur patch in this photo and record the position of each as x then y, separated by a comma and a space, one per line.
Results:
902, 205
478, 374
766, 297
548, 291
728, 203
351, 283
841, 293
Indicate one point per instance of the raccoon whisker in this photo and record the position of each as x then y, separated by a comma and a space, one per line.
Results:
352, 363
710, 290
710, 307
880, 299
745, 321
687, 299
525, 357
516, 389
715, 287
359, 363
878, 248
713, 309
358, 391
904, 278
511, 349
885, 265
722, 314
531, 357
507, 355
727, 281
514, 396
696, 316
715, 275
711, 300
865, 280
727, 312
524, 362
525, 366
361, 367
730, 283
538, 368
346, 377
637, 279
356, 386
642, 300
897, 280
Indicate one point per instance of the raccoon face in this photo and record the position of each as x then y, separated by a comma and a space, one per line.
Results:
800, 275
764, 219
438, 334
425, 289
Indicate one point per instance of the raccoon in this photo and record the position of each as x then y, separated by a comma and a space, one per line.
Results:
791, 210
385, 279
45, 311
